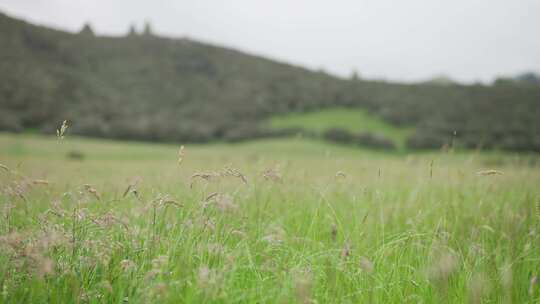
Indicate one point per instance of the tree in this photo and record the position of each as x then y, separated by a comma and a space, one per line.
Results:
147, 29
87, 30
355, 76
132, 30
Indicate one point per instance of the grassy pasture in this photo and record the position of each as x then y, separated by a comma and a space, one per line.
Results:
353, 120
312, 223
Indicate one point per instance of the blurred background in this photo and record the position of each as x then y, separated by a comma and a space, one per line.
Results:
384, 75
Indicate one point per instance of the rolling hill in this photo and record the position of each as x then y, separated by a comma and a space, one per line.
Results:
146, 87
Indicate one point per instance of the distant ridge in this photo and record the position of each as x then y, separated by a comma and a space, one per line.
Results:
146, 87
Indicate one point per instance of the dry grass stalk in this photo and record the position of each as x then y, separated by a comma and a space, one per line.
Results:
107, 220
127, 265
275, 235
60, 132
478, 288
171, 202
443, 266
366, 265
164, 201
5, 168
532, 285
224, 202
346, 251
92, 191
303, 284
211, 196
333, 232
341, 174
228, 171
272, 175
131, 187
209, 281
181, 155
489, 172
40, 182
207, 176
506, 278
239, 233
128, 189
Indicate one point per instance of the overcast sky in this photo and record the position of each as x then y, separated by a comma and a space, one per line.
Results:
401, 40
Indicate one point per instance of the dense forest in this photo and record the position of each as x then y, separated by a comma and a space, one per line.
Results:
145, 87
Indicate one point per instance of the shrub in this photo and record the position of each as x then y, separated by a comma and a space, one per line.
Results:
376, 141
364, 139
339, 136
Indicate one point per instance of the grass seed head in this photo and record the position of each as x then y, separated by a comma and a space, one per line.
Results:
303, 285
341, 174
5, 168
478, 288
127, 265
444, 265
62, 130
532, 285
209, 281
489, 172
334, 232
90, 189
181, 155
366, 265
272, 174
346, 250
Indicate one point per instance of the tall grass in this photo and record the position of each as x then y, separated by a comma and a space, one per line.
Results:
267, 225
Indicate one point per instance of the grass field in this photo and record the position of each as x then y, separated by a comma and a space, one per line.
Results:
353, 120
272, 221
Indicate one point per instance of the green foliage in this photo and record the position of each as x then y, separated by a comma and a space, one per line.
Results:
146, 87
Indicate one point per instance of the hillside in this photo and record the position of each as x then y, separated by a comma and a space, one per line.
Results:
147, 87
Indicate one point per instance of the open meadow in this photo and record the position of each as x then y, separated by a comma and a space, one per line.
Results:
265, 221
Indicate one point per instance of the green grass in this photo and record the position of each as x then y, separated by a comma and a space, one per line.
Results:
390, 229
354, 120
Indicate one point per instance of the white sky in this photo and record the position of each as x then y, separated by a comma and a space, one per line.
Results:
404, 40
